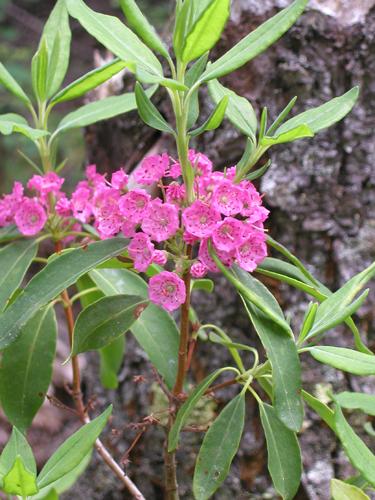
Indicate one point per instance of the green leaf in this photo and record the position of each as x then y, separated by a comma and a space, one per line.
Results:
299, 132
39, 69
258, 172
282, 116
70, 454
57, 34
58, 275
116, 37
239, 111
10, 122
308, 321
104, 321
356, 401
220, 445
214, 120
145, 77
356, 450
89, 81
15, 259
19, 480
199, 26
24, 379
339, 306
281, 351
344, 359
284, 455
204, 284
185, 411
192, 76
155, 330
65, 482
7, 80
16, 446
256, 42
99, 110
140, 25
148, 112
324, 412
111, 358
51, 495
324, 116
344, 491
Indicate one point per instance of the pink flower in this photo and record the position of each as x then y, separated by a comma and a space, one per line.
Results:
205, 257
109, 226
167, 290
134, 204
198, 270
141, 250
128, 228
152, 169
160, 257
49, 183
161, 220
63, 207
30, 217
190, 239
94, 178
10, 204
175, 171
228, 235
200, 219
200, 162
119, 179
259, 214
105, 201
81, 206
227, 198
175, 193
252, 251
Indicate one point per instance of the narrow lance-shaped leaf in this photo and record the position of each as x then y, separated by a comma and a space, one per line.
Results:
323, 116
214, 120
356, 450
321, 409
99, 110
116, 37
104, 321
155, 330
357, 401
204, 23
111, 356
57, 34
220, 445
61, 273
344, 359
344, 491
148, 112
89, 81
282, 353
24, 379
191, 77
19, 480
39, 69
141, 26
339, 306
16, 446
284, 455
10, 122
256, 42
239, 110
7, 80
185, 411
299, 132
70, 454
15, 259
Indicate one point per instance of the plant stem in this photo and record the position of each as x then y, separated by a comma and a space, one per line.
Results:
78, 399
184, 332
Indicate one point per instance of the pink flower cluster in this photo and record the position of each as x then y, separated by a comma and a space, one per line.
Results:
225, 214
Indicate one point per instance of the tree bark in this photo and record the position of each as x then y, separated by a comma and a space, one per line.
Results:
321, 194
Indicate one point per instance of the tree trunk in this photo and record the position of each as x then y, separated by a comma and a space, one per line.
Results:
321, 194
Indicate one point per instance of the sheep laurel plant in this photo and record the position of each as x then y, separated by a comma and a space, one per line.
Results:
131, 259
